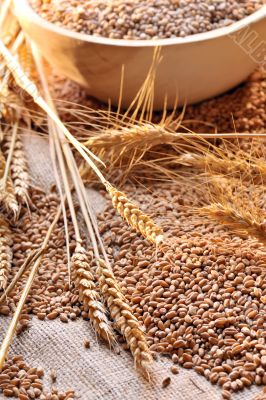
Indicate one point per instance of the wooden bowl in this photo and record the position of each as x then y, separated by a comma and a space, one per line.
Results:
192, 69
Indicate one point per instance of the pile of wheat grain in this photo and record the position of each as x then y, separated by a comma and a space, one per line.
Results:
206, 305
144, 20
242, 109
19, 380
50, 295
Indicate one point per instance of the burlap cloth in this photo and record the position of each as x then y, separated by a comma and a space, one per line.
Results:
97, 373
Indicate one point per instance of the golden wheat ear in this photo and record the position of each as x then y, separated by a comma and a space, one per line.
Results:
88, 295
136, 218
7, 194
6, 253
241, 223
18, 168
124, 318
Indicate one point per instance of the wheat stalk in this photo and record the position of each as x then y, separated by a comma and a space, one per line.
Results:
5, 252
82, 274
88, 295
7, 194
18, 169
124, 318
136, 218
31, 89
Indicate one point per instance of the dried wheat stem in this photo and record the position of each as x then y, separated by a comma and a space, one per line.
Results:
29, 86
63, 146
132, 214
77, 181
88, 295
5, 252
124, 318
135, 217
82, 275
18, 169
7, 194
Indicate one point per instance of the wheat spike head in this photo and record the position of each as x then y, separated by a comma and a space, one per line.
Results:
122, 314
88, 295
241, 222
7, 195
5, 252
19, 169
139, 221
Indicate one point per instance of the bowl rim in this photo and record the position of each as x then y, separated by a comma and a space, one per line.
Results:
23, 7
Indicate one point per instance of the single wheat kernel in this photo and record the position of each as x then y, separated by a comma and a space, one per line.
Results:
166, 382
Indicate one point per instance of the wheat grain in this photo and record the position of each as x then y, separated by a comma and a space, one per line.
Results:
142, 19
7, 195
139, 221
124, 318
19, 169
5, 252
88, 295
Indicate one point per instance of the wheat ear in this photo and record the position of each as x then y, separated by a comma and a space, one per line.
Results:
88, 295
242, 223
18, 169
135, 217
7, 194
251, 170
26, 60
124, 318
5, 252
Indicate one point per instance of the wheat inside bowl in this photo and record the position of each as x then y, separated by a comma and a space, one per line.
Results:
192, 68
